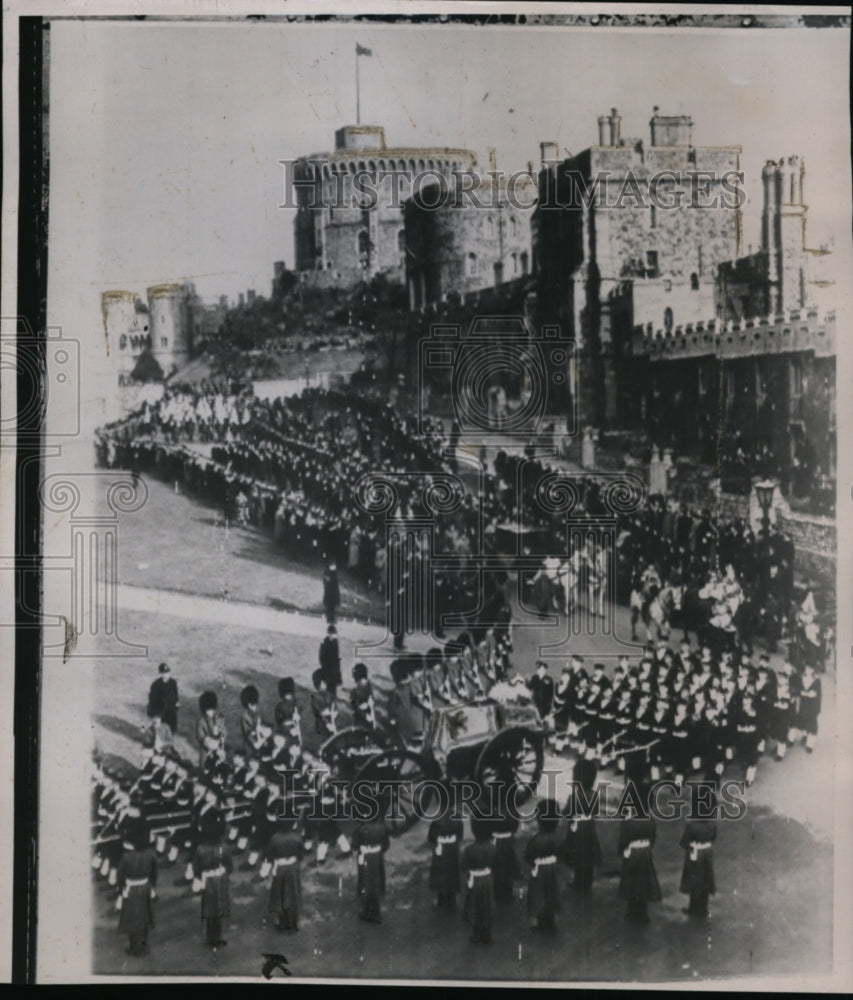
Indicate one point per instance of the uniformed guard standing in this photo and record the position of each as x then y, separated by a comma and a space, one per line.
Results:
136, 882
542, 853
478, 861
697, 877
639, 882
370, 840
213, 865
445, 835
284, 853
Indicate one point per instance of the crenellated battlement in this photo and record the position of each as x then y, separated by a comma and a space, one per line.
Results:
798, 330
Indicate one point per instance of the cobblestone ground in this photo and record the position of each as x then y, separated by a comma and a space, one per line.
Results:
771, 915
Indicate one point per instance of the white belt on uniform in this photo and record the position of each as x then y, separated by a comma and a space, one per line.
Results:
502, 835
367, 849
551, 859
282, 862
638, 844
695, 847
450, 839
212, 873
477, 873
132, 883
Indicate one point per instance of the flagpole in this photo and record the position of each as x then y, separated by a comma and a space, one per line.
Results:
357, 92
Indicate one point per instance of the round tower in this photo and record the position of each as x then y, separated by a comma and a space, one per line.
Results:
118, 309
169, 320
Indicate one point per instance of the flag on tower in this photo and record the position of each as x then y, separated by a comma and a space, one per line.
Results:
360, 50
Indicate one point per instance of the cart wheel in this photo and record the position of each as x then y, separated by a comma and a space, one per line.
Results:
344, 752
513, 757
409, 768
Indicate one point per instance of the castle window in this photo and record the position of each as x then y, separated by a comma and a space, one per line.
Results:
651, 263
122, 342
524, 262
472, 264
653, 217
164, 341
667, 320
490, 226
694, 282
515, 263
401, 240
363, 242
797, 382
513, 226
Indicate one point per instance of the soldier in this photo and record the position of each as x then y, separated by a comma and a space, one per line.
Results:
478, 860
284, 854
506, 868
163, 698
136, 883
210, 730
697, 877
638, 884
212, 866
809, 707
370, 840
748, 736
324, 707
582, 849
361, 699
542, 689
330, 660
288, 719
445, 835
782, 716
421, 687
405, 720
541, 853
331, 592
255, 733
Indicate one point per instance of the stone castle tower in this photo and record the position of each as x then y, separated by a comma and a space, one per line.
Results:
783, 228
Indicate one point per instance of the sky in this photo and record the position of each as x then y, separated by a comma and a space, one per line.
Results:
165, 137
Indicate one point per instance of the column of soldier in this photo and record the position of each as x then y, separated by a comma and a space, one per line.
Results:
674, 713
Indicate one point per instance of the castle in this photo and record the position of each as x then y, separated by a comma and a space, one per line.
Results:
150, 341
338, 242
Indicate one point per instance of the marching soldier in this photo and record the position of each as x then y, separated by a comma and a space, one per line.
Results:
810, 704
361, 699
323, 707
210, 730
255, 733
288, 719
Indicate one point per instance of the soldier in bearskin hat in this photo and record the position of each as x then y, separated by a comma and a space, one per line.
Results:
212, 866
210, 729
541, 853
478, 862
284, 854
136, 882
